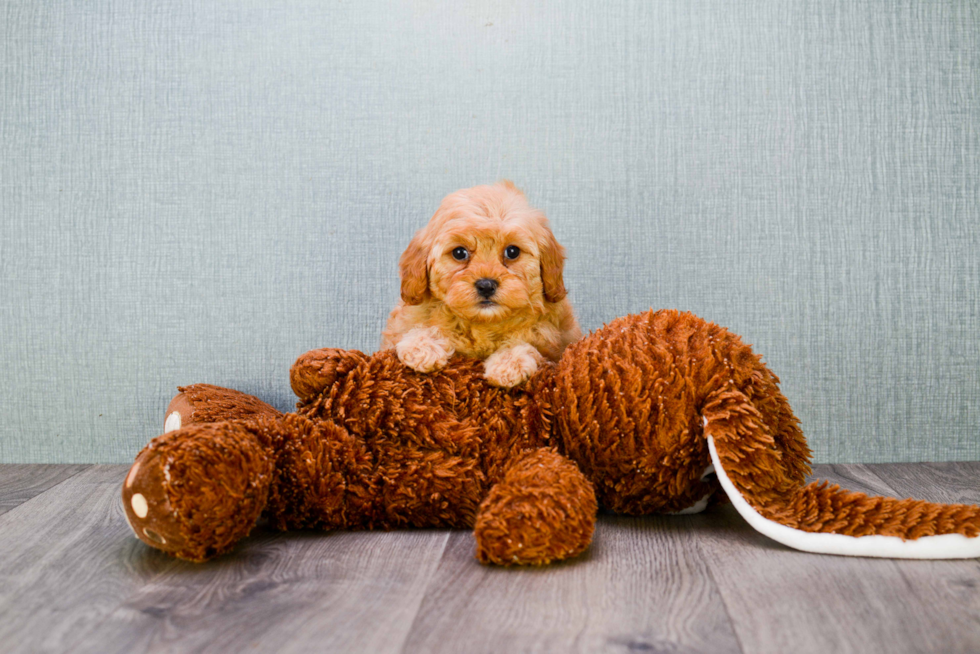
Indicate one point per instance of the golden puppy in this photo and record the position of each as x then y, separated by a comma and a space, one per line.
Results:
484, 279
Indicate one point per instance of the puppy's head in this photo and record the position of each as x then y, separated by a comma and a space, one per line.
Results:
486, 254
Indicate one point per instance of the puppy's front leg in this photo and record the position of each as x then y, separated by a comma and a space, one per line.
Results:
424, 349
513, 365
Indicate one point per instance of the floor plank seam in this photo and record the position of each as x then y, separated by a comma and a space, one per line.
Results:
88, 466
705, 556
428, 588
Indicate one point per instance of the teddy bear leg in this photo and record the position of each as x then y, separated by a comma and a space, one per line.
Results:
542, 510
203, 403
319, 369
197, 491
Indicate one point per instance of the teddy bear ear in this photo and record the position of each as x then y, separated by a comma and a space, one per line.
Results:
414, 272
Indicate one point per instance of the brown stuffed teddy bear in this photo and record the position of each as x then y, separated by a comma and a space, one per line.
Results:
653, 413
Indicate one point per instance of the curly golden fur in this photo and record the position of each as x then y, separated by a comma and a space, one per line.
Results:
483, 279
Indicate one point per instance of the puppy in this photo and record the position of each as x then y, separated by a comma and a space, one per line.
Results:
484, 279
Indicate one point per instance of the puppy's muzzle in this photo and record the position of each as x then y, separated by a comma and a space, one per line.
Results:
486, 287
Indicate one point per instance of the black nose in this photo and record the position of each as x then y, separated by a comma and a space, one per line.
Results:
486, 287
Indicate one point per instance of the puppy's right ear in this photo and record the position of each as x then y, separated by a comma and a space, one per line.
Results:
414, 271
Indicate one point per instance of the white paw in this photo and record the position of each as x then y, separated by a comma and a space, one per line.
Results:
424, 350
511, 366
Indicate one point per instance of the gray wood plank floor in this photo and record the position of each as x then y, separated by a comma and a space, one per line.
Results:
73, 578
20, 482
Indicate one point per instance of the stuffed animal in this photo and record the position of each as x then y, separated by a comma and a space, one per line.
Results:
654, 413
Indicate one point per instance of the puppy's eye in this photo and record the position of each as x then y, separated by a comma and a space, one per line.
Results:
512, 252
461, 253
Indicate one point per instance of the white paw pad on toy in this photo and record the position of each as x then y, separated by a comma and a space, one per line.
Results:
172, 423
140, 507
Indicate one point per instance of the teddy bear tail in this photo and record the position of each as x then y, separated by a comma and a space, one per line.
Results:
819, 517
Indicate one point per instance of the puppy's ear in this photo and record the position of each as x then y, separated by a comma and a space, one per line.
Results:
552, 263
413, 270
506, 183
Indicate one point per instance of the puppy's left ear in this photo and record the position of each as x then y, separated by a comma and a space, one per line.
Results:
552, 263
414, 271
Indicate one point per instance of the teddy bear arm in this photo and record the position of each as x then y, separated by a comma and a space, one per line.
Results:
542, 510
319, 369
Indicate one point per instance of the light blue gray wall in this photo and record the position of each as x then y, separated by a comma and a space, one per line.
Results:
199, 193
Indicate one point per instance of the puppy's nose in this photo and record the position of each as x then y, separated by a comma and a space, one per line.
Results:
486, 287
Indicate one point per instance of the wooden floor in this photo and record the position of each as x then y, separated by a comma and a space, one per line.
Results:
74, 578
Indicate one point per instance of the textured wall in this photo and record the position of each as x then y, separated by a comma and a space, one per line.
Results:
198, 193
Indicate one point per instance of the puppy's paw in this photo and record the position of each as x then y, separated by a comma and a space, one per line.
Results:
513, 365
424, 350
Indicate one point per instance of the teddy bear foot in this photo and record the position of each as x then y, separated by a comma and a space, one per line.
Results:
178, 413
147, 507
205, 403
197, 491
543, 510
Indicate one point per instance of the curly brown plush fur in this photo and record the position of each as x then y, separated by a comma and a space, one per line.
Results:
624, 420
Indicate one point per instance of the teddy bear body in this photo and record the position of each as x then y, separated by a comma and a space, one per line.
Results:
619, 421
